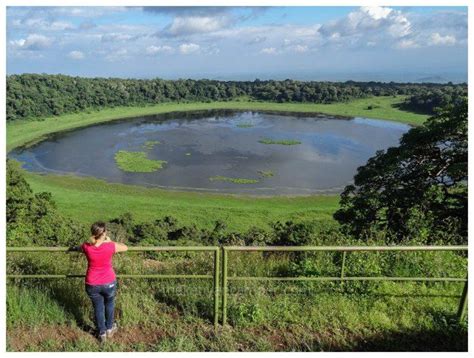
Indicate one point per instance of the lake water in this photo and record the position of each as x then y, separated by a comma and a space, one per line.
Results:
206, 144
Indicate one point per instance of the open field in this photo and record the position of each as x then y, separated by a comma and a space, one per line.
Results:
89, 199
21, 132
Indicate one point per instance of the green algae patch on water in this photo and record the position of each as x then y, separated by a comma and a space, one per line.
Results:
279, 141
234, 180
245, 125
149, 144
137, 162
265, 173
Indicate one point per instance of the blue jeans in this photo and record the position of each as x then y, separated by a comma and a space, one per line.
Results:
103, 300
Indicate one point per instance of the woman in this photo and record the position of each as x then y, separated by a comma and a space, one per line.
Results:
101, 284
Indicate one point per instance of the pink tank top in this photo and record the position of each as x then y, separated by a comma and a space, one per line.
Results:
99, 263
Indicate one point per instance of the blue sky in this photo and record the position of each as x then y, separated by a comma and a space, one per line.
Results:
313, 43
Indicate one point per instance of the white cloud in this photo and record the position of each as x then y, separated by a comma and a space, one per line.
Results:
404, 44
117, 55
269, 50
33, 42
381, 25
182, 26
76, 55
257, 39
437, 39
188, 48
376, 12
399, 26
41, 24
18, 43
300, 48
116, 37
153, 50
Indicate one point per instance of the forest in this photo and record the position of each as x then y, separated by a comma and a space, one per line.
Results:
40, 95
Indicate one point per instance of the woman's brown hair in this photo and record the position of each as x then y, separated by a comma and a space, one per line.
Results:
97, 229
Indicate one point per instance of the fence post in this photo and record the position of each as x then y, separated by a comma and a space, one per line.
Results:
224, 286
462, 303
343, 265
216, 287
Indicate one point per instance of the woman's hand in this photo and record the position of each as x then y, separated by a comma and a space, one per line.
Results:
77, 248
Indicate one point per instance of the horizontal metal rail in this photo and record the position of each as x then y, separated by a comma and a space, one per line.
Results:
345, 278
130, 248
213, 249
344, 250
119, 276
221, 288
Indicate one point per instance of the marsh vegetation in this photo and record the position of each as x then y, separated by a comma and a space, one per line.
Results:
137, 162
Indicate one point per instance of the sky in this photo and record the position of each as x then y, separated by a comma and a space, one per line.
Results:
241, 43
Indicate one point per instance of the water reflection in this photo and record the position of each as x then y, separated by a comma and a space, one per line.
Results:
199, 145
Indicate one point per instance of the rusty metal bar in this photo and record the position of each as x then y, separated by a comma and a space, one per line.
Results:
347, 248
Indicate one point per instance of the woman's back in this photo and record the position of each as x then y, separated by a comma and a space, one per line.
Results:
99, 260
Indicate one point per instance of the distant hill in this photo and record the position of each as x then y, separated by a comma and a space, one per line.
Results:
433, 79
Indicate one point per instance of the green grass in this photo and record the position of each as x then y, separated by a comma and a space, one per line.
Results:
279, 141
137, 162
234, 180
149, 144
176, 315
90, 199
22, 132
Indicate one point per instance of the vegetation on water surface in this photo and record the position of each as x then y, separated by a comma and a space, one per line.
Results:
26, 131
233, 180
279, 141
137, 162
35, 95
266, 173
149, 144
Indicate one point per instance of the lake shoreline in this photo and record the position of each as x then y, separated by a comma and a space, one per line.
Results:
20, 133
89, 199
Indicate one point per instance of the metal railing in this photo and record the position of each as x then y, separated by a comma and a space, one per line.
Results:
220, 288
215, 276
344, 249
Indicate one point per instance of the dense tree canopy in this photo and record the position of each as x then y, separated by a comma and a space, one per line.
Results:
35, 95
426, 100
32, 219
415, 190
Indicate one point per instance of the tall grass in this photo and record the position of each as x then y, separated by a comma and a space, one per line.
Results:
168, 315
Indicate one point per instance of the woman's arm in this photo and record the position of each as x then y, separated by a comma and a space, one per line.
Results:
119, 247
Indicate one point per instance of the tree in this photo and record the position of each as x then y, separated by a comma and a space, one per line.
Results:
32, 219
416, 190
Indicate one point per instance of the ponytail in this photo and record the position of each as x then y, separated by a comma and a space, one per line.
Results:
97, 230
